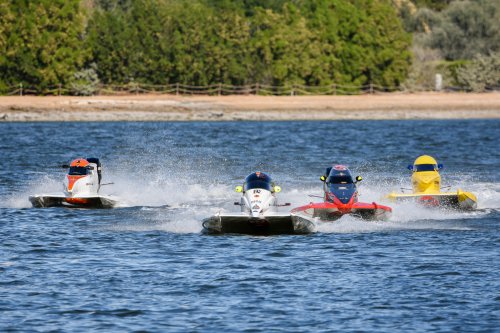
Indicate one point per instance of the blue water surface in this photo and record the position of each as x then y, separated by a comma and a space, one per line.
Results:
146, 266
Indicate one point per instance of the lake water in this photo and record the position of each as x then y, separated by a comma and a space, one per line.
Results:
146, 266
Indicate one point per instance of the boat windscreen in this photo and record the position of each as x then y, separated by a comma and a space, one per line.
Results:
78, 171
261, 184
425, 167
340, 179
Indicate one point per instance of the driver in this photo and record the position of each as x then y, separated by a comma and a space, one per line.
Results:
339, 184
78, 167
338, 174
258, 180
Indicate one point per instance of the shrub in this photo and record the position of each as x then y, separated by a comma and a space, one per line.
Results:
85, 82
480, 74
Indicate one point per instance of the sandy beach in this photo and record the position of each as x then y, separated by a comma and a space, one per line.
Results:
230, 108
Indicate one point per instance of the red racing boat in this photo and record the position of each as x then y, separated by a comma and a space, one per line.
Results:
81, 188
341, 198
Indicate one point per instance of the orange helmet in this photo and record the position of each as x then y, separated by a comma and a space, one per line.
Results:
79, 162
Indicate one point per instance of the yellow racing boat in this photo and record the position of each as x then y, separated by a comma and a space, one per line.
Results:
426, 183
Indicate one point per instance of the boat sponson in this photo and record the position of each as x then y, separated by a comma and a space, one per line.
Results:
457, 200
239, 224
327, 211
40, 201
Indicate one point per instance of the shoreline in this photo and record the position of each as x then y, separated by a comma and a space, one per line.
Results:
252, 108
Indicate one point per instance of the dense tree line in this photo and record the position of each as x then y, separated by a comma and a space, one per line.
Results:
79, 43
272, 42
315, 42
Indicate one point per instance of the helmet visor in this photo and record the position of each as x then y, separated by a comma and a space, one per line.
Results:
425, 167
78, 171
260, 184
340, 179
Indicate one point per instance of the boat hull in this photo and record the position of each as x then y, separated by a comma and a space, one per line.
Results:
266, 225
459, 200
41, 201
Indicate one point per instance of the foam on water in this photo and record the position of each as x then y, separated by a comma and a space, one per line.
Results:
488, 195
47, 183
161, 222
406, 215
161, 192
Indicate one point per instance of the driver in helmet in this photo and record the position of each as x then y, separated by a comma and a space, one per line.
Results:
339, 183
258, 180
338, 174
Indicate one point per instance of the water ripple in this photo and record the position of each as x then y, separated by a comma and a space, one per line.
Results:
146, 267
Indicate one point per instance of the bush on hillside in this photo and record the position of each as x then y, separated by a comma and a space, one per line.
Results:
480, 74
467, 28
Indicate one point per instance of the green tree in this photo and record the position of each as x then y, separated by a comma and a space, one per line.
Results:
43, 45
361, 41
199, 43
386, 46
7, 21
279, 47
126, 42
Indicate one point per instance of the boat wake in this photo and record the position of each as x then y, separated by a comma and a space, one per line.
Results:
19, 199
172, 202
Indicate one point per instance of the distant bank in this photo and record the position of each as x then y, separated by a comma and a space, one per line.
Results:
230, 108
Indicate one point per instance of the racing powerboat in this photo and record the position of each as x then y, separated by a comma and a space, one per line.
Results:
426, 183
259, 212
341, 198
80, 188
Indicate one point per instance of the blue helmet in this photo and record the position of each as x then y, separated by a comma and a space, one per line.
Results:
258, 180
339, 174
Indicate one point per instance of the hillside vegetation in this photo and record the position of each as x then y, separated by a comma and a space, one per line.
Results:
458, 39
